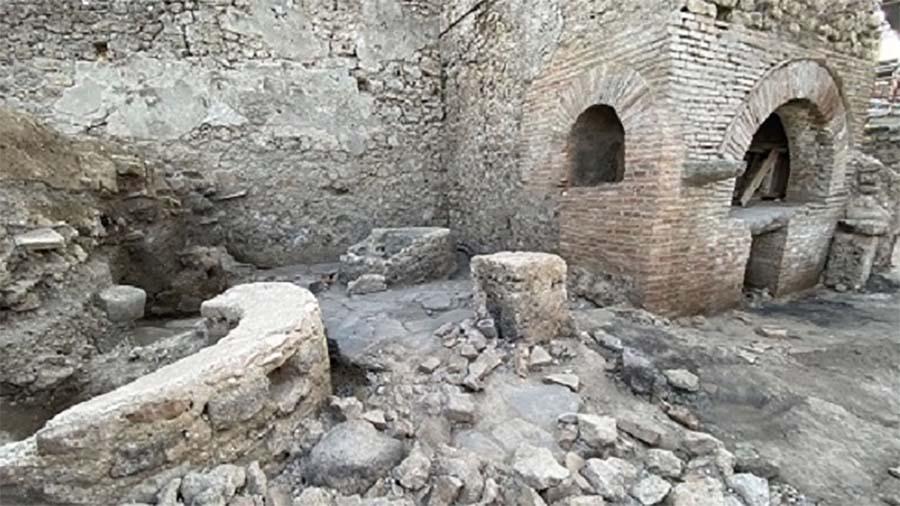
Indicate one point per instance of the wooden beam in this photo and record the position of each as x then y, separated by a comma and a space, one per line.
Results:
758, 177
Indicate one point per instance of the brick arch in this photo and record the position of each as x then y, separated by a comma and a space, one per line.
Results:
794, 86
552, 108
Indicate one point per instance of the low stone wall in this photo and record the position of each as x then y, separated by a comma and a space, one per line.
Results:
239, 399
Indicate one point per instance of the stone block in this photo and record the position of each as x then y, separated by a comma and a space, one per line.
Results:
367, 283
525, 294
42, 239
850, 260
123, 303
402, 255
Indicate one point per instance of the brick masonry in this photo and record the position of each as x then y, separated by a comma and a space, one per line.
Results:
690, 86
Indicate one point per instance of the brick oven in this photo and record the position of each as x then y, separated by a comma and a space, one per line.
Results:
719, 133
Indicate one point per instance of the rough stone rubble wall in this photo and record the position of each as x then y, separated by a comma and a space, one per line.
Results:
882, 141
698, 63
327, 113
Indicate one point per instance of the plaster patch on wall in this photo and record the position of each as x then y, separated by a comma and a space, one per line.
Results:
389, 33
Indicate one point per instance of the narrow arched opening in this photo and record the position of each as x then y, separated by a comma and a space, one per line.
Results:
596, 147
768, 167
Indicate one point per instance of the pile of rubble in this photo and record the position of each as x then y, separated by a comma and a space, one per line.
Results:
420, 433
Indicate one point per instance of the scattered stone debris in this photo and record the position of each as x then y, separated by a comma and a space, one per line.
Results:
569, 381
367, 283
538, 468
683, 379
42, 239
773, 333
429, 365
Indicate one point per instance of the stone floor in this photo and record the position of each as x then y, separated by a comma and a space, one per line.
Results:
809, 384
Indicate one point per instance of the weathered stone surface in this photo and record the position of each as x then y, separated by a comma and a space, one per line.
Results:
650, 490
609, 342
640, 428
606, 477
850, 260
277, 339
638, 371
367, 283
42, 239
402, 255
123, 303
537, 467
460, 408
597, 431
664, 463
219, 484
682, 379
464, 466
429, 365
351, 456
582, 500
570, 381
539, 357
700, 443
415, 469
698, 491
525, 293
486, 362
752, 489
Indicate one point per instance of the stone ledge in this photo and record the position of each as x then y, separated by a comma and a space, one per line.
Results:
699, 173
240, 398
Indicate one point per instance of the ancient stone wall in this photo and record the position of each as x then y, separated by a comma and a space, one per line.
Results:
326, 114
882, 141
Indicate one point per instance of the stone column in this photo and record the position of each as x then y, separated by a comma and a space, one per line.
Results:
525, 294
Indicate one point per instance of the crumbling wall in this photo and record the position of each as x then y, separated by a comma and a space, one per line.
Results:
882, 141
320, 119
74, 214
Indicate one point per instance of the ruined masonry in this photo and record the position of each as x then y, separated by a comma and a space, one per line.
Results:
284, 253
